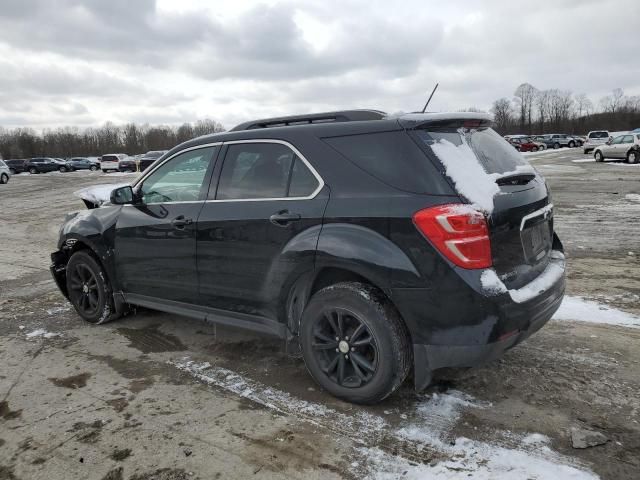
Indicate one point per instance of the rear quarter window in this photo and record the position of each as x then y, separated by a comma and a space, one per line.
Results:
393, 158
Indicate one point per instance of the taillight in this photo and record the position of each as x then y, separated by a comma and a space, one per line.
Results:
459, 232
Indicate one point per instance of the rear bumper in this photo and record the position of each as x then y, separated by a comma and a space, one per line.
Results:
498, 325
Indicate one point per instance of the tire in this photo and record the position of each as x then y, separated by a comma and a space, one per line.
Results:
572, 144
89, 290
372, 370
63, 169
33, 170
556, 146
4, 178
93, 168
632, 156
598, 156
534, 149
104, 171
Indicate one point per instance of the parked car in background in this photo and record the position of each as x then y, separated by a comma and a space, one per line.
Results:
84, 163
5, 173
524, 144
150, 157
111, 161
557, 140
43, 165
580, 139
370, 263
594, 139
16, 165
621, 147
63, 165
127, 164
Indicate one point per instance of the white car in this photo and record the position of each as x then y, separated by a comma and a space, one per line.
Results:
111, 161
594, 139
626, 146
5, 173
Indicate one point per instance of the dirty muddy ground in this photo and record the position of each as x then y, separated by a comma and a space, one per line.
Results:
160, 396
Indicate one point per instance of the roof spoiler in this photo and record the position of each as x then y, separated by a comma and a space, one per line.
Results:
417, 120
326, 117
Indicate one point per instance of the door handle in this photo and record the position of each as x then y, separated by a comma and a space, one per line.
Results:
284, 218
180, 221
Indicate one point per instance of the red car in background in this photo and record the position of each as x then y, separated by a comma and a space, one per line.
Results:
524, 144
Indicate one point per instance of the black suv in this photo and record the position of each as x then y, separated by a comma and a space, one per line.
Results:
374, 244
44, 164
16, 166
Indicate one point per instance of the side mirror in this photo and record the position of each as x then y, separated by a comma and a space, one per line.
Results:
122, 195
609, 141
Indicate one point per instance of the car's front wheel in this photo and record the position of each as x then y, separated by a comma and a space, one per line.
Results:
33, 170
556, 145
89, 290
354, 343
4, 178
598, 156
63, 169
572, 144
93, 168
632, 157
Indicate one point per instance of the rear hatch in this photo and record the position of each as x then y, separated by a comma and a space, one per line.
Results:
490, 174
110, 161
598, 138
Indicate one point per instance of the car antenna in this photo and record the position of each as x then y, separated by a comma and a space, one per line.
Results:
430, 96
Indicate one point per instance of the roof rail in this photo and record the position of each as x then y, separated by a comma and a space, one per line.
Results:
327, 117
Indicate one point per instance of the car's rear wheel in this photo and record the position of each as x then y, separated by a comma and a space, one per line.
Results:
33, 170
535, 149
598, 156
354, 343
572, 144
556, 145
93, 168
63, 169
632, 157
89, 290
4, 178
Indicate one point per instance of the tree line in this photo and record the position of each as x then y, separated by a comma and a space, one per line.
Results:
110, 138
531, 111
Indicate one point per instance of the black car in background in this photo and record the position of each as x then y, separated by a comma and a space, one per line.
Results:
339, 233
83, 163
44, 165
150, 157
127, 165
17, 166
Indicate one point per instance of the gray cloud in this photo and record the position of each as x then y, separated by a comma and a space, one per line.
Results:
79, 61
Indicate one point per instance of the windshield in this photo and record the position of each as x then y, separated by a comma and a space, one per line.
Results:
494, 154
599, 135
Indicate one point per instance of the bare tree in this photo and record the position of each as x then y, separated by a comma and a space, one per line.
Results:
543, 100
525, 95
584, 106
502, 114
612, 102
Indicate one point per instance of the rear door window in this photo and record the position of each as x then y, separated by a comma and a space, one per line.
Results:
627, 139
264, 171
394, 159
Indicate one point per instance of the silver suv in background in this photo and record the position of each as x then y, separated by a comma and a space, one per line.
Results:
622, 147
5, 173
557, 140
594, 139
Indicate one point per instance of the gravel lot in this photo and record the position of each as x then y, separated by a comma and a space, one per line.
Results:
160, 396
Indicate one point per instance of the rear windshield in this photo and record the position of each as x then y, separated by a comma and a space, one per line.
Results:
110, 158
394, 159
494, 154
599, 135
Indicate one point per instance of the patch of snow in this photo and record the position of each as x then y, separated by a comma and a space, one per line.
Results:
632, 197
623, 164
59, 309
536, 439
471, 180
584, 160
492, 284
581, 310
41, 332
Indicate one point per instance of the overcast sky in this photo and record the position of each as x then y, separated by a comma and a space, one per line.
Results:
85, 62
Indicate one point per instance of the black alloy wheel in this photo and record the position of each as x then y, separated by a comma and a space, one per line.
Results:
88, 288
354, 343
344, 348
33, 170
4, 178
63, 169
